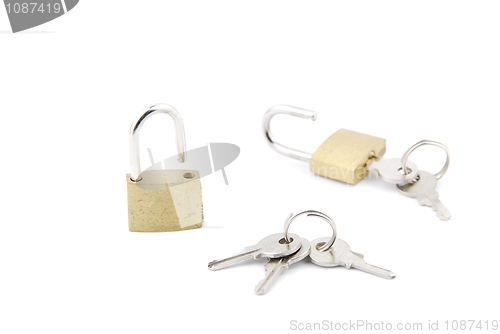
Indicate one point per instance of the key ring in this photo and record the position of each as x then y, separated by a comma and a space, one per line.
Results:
405, 157
313, 213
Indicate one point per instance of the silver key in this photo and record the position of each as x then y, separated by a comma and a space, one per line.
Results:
389, 170
273, 246
340, 254
275, 266
424, 190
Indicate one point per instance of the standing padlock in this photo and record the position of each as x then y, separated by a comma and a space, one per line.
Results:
344, 156
162, 200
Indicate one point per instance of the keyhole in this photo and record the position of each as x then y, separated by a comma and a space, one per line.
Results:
188, 175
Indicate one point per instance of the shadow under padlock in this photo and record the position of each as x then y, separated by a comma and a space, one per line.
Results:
162, 200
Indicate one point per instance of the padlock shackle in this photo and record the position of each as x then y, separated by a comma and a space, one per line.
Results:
135, 129
275, 145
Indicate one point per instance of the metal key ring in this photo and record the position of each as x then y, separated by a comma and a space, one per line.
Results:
314, 213
405, 157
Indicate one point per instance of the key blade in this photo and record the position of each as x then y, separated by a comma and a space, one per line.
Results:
273, 270
442, 211
371, 269
431, 198
272, 246
248, 253
275, 266
424, 190
269, 266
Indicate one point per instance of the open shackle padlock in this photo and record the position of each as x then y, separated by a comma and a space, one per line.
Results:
349, 156
344, 156
162, 200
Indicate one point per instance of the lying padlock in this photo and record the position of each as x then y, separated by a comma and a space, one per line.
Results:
162, 200
344, 156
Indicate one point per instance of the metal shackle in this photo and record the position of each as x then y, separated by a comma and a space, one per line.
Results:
135, 129
275, 145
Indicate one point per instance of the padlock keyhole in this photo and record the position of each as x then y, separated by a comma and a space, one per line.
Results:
188, 175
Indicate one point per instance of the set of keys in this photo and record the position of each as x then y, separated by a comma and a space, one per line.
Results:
414, 183
349, 156
284, 250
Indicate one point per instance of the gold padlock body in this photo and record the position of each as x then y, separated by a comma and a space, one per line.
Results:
345, 155
164, 201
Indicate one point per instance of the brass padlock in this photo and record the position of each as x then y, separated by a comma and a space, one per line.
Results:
162, 200
344, 156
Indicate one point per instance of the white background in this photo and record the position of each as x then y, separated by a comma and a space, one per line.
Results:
401, 70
